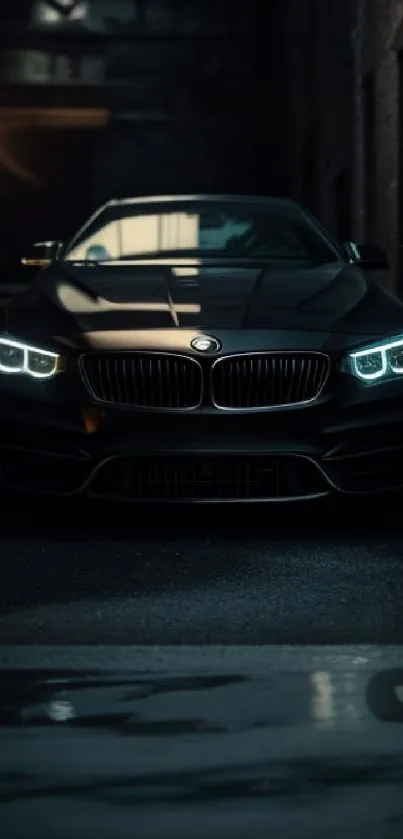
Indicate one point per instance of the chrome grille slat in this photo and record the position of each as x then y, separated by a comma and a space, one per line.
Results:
161, 381
271, 379
119, 385
138, 385
255, 381
101, 377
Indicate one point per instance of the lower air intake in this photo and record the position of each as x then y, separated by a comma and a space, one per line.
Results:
37, 471
209, 478
367, 471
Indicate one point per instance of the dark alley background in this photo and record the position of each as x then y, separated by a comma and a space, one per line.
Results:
101, 99
299, 98
277, 617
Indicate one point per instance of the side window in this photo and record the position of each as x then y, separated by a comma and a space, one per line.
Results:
102, 244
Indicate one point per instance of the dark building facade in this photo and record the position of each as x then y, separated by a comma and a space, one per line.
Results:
191, 96
102, 99
52, 106
320, 94
345, 118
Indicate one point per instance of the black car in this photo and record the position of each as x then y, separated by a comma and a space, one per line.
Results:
202, 348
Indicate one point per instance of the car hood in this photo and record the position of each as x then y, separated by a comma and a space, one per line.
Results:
79, 299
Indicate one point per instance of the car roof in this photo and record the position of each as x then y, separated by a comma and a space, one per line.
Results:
156, 199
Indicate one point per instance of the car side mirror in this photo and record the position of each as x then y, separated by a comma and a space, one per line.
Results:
371, 257
41, 254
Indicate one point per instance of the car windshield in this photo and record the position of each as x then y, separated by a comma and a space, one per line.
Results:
270, 230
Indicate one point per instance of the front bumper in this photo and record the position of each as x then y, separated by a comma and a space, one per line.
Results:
329, 448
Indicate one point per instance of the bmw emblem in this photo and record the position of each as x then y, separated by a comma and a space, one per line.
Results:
205, 344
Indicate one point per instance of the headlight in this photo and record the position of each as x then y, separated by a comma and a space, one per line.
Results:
381, 362
20, 358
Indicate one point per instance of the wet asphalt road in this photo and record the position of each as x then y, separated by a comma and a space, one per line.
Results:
316, 575
215, 726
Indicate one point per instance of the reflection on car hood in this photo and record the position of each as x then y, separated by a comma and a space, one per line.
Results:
215, 296
76, 299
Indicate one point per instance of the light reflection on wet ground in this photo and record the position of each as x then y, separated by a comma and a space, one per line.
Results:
282, 736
